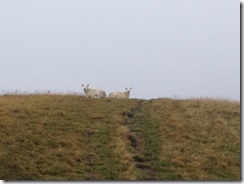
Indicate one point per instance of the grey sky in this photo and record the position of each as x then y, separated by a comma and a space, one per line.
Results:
160, 48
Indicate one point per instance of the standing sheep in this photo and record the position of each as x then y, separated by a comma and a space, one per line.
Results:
125, 94
93, 93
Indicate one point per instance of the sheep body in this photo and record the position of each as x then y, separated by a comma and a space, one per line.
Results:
119, 94
93, 93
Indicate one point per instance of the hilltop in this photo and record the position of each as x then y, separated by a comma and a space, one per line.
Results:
68, 137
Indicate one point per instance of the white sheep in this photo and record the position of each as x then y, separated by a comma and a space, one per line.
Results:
93, 93
125, 94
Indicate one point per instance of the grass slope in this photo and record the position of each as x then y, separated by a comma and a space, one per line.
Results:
67, 137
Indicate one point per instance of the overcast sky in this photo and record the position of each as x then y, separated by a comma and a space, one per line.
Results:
160, 48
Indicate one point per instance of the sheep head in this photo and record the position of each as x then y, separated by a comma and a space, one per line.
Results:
86, 89
128, 90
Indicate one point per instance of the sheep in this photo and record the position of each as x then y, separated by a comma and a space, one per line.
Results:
93, 93
125, 94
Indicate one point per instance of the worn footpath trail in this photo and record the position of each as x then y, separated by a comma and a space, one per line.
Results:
145, 140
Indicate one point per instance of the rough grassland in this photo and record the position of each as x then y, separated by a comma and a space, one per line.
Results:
68, 137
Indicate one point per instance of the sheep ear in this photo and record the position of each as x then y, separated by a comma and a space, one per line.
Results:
83, 85
126, 88
131, 88
87, 85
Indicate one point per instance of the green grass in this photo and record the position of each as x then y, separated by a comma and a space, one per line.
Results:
68, 137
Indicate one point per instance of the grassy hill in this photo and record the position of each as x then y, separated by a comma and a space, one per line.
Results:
68, 137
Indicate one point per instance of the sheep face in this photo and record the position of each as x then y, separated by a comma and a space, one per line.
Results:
128, 90
86, 89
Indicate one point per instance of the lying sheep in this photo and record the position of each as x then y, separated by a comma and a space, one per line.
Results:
125, 94
93, 93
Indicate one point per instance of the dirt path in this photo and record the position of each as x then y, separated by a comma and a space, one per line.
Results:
143, 137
